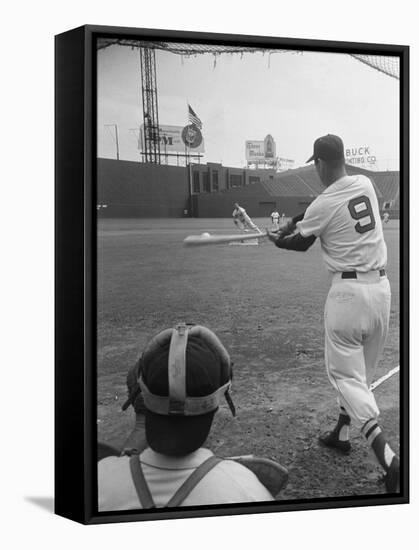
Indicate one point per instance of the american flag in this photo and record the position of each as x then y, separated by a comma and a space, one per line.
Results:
193, 118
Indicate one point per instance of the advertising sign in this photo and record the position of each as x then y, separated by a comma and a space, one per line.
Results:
264, 153
360, 156
285, 164
192, 137
255, 151
261, 151
174, 139
269, 147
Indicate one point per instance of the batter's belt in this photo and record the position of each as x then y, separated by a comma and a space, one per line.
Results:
368, 276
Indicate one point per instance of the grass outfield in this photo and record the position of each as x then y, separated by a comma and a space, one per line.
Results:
266, 305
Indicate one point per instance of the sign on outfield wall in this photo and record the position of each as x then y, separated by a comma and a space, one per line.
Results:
175, 139
360, 156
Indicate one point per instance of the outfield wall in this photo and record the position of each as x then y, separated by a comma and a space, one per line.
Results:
138, 190
252, 198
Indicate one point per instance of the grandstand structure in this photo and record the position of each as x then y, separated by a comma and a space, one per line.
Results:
289, 192
387, 186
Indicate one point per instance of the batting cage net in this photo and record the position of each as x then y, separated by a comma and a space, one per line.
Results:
388, 65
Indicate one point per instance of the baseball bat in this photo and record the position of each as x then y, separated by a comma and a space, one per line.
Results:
384, 378
207, 238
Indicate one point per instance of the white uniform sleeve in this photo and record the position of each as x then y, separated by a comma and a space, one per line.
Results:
314, 220
116, 490
228, 482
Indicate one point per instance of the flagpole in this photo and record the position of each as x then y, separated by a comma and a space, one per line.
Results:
191, 207
195, 122
188, 166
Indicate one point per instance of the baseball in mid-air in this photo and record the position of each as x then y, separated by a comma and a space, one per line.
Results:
205, 235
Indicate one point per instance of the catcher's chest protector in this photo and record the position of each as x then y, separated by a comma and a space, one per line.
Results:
184, 490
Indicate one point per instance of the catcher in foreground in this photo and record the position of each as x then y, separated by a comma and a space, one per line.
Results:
183, 375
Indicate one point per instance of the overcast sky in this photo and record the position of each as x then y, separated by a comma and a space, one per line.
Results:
295, 97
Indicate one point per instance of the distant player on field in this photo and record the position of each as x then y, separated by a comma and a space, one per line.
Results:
386, 217
242, 220
275, 219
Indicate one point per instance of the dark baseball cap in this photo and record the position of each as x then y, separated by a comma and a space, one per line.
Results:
179, 428
328, 147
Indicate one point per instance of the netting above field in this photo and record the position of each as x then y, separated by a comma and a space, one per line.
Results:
183, 48
385, 64
388, 65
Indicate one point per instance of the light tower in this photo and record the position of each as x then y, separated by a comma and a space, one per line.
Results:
150, 107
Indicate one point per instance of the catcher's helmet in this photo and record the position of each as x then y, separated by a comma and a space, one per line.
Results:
183, 374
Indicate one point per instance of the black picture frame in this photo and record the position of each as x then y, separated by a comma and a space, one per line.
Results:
75, 272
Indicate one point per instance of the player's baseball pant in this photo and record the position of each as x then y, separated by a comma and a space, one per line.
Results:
357, 313
239, 225
249, 223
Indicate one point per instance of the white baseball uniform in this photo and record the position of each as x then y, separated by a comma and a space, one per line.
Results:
242, 220
227, 482
275, 218
346, 218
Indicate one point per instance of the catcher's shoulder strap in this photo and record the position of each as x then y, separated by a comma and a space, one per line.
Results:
140, 483
184, 490
192, 481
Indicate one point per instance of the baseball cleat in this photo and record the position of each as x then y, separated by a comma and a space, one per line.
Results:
392, 477
331, 440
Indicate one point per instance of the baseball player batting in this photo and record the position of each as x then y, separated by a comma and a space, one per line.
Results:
346, 219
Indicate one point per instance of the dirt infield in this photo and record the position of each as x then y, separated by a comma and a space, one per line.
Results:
266, 305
